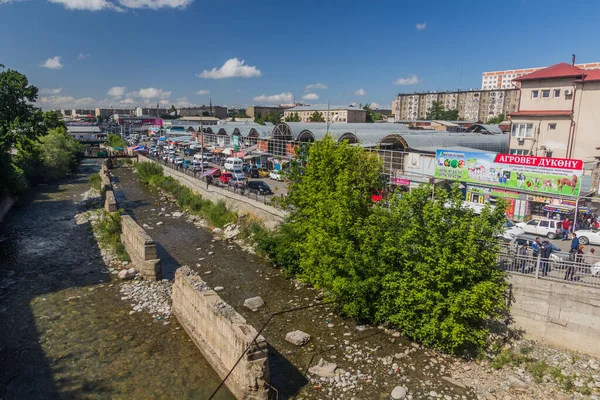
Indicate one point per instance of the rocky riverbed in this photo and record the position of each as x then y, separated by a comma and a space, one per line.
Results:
370, 361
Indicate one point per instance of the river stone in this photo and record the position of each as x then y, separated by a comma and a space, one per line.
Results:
323, 368
254, 303
298, 338
453, 381
176, 214
127, 274
218, 288
217, 231
231, 232
399, 392
517, 384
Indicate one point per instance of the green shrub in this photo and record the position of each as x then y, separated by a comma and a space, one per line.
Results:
95, 182
108, 230
148, 170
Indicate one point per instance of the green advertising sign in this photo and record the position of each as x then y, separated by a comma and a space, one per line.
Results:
559, 176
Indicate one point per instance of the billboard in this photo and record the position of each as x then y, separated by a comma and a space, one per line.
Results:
558, 176
141, 121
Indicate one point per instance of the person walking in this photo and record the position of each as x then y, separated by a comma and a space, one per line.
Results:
566, 225
546, 251
574, 255
523, 252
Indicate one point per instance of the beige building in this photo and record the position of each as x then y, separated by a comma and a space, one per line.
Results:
473, 105
559, 113
504, 79
261, 111
343, 114
107, 112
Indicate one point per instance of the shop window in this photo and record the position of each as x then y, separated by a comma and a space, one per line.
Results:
551, 127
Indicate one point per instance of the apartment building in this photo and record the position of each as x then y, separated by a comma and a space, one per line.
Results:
261, 111
208, 111
505, 79
154, 111
474, 105
558, 113
343, 114
107, 112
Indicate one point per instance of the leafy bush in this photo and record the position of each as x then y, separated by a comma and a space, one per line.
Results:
426, 266
116, 141
217, 214
95, 182
108, 230
146, 170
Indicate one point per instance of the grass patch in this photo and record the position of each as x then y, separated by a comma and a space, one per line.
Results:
537, 370
510, 357
95, 182
108, 231
217, 214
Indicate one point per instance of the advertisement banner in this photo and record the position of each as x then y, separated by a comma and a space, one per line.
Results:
558, 176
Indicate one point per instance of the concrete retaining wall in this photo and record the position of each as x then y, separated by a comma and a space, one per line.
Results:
6, 204
222, 335
270, 216
565, 315
141, 249
110, 203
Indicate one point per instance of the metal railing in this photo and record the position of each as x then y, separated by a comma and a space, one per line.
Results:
241, 190
580, 269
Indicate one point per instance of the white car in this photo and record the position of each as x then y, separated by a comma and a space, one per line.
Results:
588, 236
511, 230
178, 161
542, 227
275, 175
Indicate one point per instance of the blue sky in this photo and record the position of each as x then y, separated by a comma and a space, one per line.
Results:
363, 52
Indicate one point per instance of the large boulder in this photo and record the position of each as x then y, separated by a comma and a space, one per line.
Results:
126, 274
298, 338
231, 232
399, 392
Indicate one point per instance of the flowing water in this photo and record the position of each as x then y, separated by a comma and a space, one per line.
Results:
64, 330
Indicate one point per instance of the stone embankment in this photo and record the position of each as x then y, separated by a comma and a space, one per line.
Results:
141, 249
222, 335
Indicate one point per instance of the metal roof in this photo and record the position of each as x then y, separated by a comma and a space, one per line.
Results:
492, 129
430, 141
83, 129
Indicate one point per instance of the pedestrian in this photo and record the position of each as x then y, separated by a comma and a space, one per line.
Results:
523, 252
574, 243
590, 258
536, 246
566, 225
574, 257
546, 251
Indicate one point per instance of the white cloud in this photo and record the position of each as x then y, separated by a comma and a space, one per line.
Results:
52, 63
421, 27
9, 1
87, 5
374, 105
184, 102
315, 86
83, 56
155, 4
201, 92
275, 98
65, 102
409, 80
51, 91
310, 96
360, 92
116, 91
164, 102
151, 93
233, 68
128, 100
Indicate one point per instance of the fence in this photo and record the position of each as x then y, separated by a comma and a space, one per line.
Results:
240, 190
580, 269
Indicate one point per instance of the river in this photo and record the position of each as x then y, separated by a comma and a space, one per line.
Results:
64, 330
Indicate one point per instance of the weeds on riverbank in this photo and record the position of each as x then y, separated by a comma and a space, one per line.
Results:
108, 231
95, 182
217, 214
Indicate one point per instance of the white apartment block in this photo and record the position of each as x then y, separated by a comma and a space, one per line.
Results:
503, 79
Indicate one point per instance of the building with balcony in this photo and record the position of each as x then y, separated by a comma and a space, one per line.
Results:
206, 111
558, 115
261, 111
507, 79
107, 112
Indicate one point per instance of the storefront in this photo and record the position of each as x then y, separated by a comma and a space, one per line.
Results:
551, 207
517, 206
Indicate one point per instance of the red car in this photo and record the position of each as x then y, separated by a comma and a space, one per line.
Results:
225, 177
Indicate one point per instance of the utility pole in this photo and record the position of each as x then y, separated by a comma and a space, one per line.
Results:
328, 103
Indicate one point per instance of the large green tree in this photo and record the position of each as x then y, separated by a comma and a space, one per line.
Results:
293, 118
437, 112
496, 120
427, 266
273, 118
316, 117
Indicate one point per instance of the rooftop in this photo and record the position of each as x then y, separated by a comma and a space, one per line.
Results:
541, 113
560, 70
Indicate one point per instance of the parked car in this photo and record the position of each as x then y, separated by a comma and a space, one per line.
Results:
186, 164
588, 236
511, 229
238, 173
275, 175
542, 227
233, 163
226, 177
251, 171
237, 181
558, 256
259, 187
263, 172
178, 161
